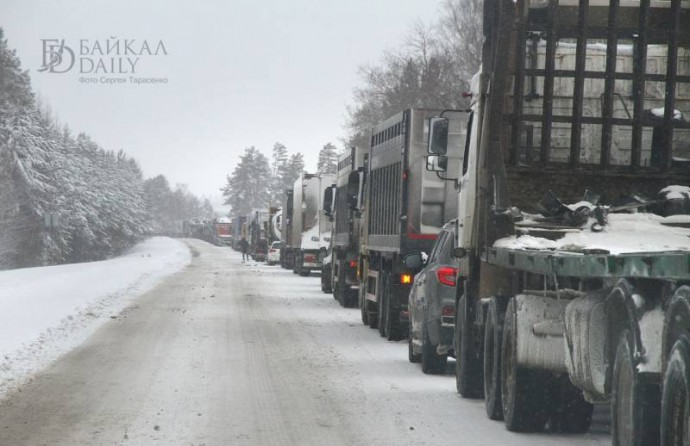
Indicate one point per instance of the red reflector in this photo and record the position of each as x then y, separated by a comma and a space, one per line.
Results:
446, 275
353, 264
448, 310
406, 278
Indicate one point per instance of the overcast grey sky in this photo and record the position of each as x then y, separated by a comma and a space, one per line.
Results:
240, 73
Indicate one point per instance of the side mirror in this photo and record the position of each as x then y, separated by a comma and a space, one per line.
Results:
437, 163
460, 252
413, 261
438, 136
353, 190
328, 201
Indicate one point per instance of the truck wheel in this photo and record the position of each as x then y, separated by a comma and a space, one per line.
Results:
382, 305
468, 371
411, 355
523, 391
635, 404
372, 316
493, 336
340, 285
432, 362
363, 307
570, 412
393, 331
675, 402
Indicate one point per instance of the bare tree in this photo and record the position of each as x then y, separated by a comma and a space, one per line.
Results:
431, 70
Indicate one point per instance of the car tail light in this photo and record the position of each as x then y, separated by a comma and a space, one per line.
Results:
353, 263
406, 278
446, 275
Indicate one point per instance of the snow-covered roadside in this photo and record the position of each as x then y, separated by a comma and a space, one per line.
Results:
45, 312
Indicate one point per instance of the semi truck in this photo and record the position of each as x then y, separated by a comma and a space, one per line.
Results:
306, 230
340, 204
222, 232
258, 232
404, 207
239, 230
573, 214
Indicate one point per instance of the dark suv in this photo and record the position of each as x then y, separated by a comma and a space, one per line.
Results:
432, 303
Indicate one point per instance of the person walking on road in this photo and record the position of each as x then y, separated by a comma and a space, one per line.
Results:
244, 245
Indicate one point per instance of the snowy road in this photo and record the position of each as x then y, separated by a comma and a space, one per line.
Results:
226, 353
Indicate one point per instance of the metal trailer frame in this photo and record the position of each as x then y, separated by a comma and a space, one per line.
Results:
514, 169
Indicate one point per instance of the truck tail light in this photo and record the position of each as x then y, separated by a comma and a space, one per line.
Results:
447, 275
405, 278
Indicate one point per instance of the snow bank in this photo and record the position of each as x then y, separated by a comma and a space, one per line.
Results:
44, 312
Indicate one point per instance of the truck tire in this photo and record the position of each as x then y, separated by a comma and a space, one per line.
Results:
381, 301
325, 283
363, 306
523, 391
393, 331
432, 362
340, 285
635, 404
411, 355
493, 337
570, 412
675, 402
468, 367
372, 317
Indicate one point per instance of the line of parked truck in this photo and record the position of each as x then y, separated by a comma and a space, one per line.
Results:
541, 236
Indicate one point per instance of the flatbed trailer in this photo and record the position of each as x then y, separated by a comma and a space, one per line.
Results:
576, 95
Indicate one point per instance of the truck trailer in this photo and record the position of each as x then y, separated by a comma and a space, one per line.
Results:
306, 229
404, 207
573, 218
340, 204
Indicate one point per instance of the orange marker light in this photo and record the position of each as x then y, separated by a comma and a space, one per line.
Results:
406, 279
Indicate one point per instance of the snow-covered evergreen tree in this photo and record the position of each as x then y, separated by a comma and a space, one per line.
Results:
328, 160
248, 187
